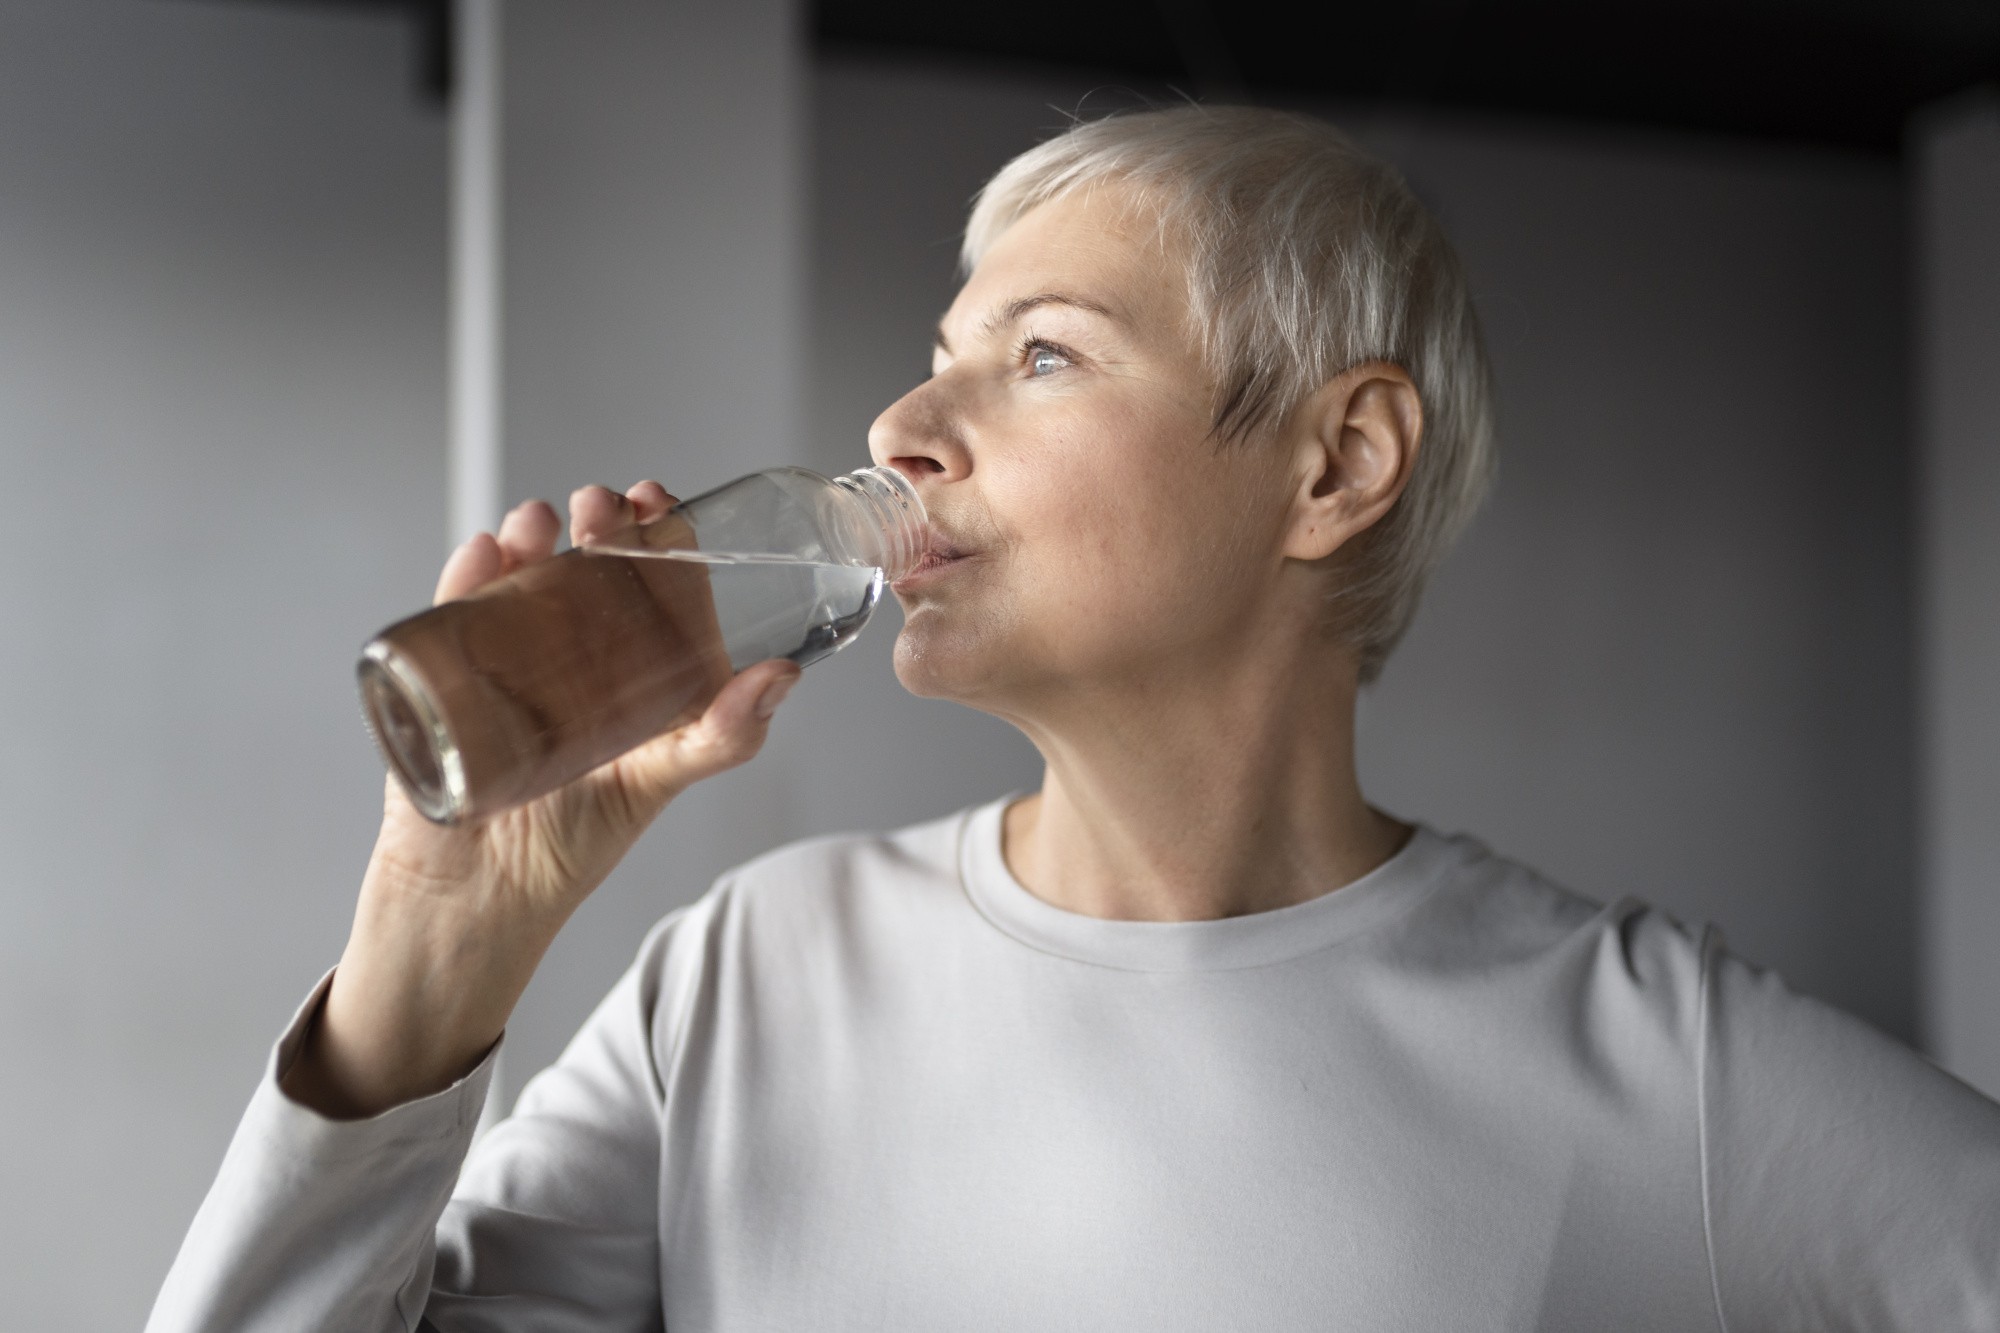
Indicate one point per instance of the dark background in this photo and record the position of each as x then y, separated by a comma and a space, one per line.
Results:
1845, 73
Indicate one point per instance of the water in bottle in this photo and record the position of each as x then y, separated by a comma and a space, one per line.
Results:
490, 700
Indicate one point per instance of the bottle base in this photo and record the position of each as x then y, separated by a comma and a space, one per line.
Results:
411, 735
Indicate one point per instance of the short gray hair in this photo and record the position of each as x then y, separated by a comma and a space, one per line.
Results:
1304, 257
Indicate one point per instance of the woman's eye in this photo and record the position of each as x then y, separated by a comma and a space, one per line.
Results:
1045, 361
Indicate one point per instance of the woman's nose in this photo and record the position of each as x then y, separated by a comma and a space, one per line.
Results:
917, 435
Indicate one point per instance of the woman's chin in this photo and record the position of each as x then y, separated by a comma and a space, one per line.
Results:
922, 669
942, 665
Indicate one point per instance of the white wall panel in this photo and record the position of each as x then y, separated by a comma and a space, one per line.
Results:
652, 257
1957, 155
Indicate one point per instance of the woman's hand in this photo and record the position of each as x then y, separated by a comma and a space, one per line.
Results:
538, 861
452, 921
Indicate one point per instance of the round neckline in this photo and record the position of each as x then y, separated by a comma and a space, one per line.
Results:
1255, 940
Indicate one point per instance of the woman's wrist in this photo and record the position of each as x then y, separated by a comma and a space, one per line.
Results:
425, 987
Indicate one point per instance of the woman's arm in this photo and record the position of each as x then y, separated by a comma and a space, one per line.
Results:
327, 1202
452, 921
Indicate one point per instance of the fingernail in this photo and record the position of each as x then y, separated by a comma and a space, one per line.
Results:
773, 695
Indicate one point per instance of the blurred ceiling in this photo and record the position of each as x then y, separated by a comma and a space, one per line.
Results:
1845, 73
1838, 72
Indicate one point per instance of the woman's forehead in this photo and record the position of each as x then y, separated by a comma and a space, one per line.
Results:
1088, 251
1010, 312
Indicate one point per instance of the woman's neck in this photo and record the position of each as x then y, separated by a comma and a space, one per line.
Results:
1241, 798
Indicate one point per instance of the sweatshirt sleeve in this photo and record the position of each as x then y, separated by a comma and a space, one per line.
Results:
555, 1224
371, 1226
315, 1223
1848, 1182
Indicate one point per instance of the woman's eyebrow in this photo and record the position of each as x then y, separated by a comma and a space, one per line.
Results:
1020, 306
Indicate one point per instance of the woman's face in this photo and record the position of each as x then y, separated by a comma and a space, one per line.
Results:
1089, 531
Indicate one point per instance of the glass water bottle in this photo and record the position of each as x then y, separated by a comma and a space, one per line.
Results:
498, 697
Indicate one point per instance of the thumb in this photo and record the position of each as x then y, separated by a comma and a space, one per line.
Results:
728, 733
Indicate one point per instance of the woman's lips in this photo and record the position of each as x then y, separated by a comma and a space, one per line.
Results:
940, 556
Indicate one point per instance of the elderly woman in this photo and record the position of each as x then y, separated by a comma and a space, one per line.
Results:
1192, 1037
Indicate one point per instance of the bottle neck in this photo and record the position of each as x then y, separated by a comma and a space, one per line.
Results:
892, 521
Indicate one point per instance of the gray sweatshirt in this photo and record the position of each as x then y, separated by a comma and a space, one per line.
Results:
874, 1083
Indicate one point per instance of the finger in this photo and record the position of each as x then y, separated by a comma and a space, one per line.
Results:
477, 561
651, 500
731, 731
596, 512
528, 533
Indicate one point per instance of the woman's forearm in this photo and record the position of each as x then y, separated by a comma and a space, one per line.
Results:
424, 988
453, 921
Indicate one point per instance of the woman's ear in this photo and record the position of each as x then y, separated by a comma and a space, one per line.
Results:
1355, 441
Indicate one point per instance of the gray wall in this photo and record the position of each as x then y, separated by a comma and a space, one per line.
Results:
1958, 204
221, 413
1672, 659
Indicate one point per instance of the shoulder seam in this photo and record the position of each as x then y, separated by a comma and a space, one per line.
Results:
681, 1004
1711, 942
670, 1004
